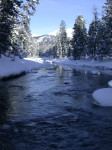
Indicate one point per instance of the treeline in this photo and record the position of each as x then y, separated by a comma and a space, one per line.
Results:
96, 43
15, 34
16, 38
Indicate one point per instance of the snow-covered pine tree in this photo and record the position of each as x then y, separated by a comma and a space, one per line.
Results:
14, 24
26, 41
95, 36
8, 12
58, 46
107, 18
79, 40
32, 47
101, 43
62, 46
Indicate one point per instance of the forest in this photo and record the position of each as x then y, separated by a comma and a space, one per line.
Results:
16, 38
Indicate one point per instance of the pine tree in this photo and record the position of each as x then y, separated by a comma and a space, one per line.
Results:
8, 11
62, 46
95, 37
101, 42
58, 46
79, 40
14, 24
25, 38
107, 18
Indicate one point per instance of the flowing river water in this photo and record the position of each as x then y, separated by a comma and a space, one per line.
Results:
53, 109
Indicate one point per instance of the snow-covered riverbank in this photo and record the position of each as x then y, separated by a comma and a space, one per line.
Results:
105, 64
12, 68
9, 67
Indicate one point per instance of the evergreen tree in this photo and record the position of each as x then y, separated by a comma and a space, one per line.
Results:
95, 36
62, 46
107, 18
8, 11
58, 46
79, 39
26, 41
14, 24
101, 42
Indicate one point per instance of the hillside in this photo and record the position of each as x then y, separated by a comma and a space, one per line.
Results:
47, 42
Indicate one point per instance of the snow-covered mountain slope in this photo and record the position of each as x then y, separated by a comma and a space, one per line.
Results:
47, 42
68, 30
45, 39
50, 38
35, 35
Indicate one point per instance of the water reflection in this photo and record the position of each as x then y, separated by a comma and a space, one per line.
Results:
5, 105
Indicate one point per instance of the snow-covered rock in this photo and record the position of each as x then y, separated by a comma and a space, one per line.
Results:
110, 83
95, 72
103, 96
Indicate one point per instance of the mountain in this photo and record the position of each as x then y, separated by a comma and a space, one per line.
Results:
46, 43
35, 35
68, 30
46, 39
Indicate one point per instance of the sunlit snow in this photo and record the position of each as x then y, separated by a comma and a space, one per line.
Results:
110, 83
103, 96
69, 32
9, 67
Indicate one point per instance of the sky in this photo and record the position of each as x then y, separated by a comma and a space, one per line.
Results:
49, 14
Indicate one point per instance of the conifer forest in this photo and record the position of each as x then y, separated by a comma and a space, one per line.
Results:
16, 38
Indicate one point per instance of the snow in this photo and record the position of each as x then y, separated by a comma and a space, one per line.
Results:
54, 32
103, 96
69, 32
40, 39
9, 67
88, 63
35, 35
91, 65
110, 83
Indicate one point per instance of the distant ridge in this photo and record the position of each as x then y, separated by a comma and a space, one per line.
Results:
68, 30
54, 33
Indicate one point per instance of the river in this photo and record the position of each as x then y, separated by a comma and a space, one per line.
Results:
53, 109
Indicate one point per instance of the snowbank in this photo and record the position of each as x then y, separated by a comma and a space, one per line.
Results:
9, 67
92, 66
110, 83
103, 96
88, 63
